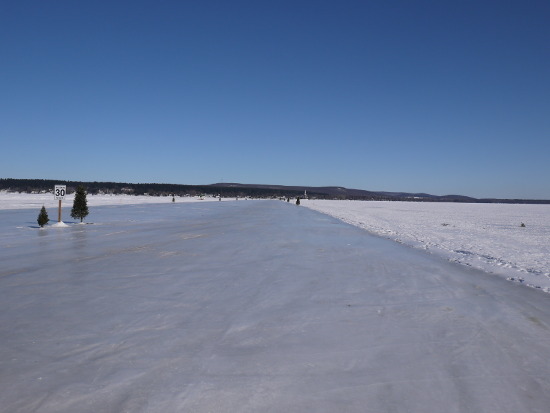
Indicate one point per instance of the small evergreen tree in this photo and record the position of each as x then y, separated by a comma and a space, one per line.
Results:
43, 217
298, 201
80, 204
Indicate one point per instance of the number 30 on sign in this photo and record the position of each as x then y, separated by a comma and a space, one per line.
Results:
59, 192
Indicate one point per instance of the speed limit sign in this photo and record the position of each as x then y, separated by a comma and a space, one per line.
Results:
59, 192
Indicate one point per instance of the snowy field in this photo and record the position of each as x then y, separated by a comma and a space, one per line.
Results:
254, 306
16, 200
485, 236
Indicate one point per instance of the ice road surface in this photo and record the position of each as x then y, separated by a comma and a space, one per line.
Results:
485, 236
255, 306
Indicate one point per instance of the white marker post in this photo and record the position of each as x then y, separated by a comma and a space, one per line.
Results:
59, 193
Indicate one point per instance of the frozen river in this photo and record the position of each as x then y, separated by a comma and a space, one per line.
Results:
255, 306
509, 240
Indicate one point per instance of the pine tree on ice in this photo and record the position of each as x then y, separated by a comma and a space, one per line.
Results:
80, 204
43, 217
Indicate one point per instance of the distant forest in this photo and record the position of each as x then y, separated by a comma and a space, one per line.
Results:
234, 190
152, 189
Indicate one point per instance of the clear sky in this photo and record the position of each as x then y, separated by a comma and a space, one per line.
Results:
444, 97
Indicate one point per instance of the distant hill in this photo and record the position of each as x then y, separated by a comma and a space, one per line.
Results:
338, 192
243, 190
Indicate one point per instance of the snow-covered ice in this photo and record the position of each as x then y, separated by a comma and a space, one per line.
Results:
485, 236
255, 306
16, 200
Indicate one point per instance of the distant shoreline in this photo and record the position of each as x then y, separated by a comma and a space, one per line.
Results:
236, 190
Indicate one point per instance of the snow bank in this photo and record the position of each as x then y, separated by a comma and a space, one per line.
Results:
489, 237
15, 200
59, 225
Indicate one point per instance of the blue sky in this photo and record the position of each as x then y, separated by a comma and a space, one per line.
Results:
444, 97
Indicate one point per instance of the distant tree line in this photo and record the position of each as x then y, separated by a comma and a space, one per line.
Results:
152, 189
250, 191
155, 189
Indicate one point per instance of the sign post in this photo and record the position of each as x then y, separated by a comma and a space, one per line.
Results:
59, 194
